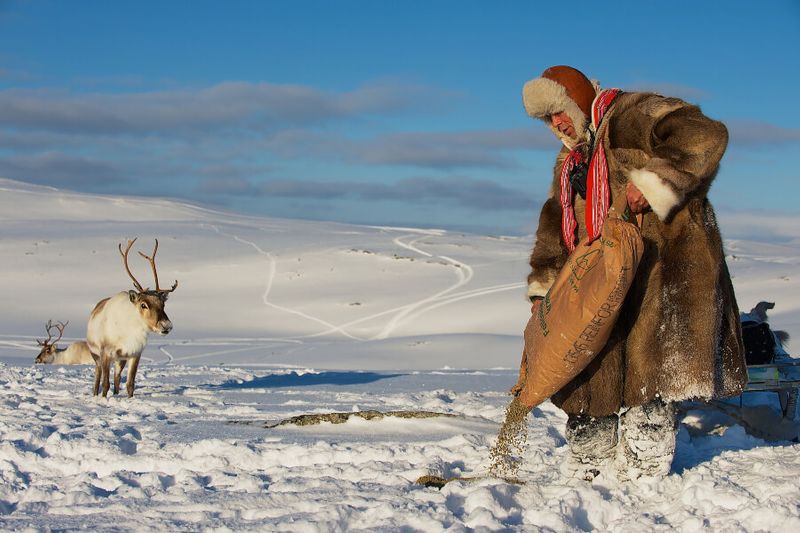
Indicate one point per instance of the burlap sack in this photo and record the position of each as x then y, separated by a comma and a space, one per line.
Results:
574, 320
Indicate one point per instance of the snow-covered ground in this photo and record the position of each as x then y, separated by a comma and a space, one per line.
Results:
275, 318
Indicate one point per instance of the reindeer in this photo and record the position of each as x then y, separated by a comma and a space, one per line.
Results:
118, 326
77, 353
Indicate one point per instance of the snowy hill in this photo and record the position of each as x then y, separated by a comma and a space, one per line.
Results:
265, 291
275, 318
275, 291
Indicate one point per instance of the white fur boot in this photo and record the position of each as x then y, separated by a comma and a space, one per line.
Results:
647, 441
592, 442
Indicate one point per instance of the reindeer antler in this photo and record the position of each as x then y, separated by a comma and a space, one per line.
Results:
49, 335
152, 260
60, 327
125, 262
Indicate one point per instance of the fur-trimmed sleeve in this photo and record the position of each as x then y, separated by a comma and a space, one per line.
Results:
549, 254
686, 147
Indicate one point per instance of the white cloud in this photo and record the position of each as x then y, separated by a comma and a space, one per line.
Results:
463, 191
754, 133
225, 105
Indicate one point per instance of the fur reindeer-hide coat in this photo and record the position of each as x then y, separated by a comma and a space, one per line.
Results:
678, 336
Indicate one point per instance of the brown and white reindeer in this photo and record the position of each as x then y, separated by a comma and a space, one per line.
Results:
77, 353
118, 326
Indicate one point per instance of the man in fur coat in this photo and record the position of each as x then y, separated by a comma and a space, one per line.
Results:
678, 336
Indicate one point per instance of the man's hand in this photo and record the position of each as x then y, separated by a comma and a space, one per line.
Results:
636, 200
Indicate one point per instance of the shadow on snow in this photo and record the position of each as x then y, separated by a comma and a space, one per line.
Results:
708, 430
293, 379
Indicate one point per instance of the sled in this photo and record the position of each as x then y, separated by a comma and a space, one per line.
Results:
782, 377
770, 368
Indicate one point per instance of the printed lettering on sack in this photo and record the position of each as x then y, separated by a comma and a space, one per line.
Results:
607, 242
580, 350
582, 265
540, 314
544, 310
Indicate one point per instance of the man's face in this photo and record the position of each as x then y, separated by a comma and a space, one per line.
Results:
563, 123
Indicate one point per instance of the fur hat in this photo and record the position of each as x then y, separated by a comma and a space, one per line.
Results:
561, 88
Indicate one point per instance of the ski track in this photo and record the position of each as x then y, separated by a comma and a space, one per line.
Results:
404, 314
18, 344
244, 344
442, 301
459, 297
410, 246
163, 349
404, 310
225, 352
271, 278
464, 273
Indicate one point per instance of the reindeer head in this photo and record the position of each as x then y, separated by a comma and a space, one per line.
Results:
149, 303
48, 345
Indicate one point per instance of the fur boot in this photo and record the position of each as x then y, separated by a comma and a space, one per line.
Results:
592, 442
647, 440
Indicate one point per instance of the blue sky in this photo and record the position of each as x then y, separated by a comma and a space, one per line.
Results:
374, 112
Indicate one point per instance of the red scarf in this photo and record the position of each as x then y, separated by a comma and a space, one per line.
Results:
597, 197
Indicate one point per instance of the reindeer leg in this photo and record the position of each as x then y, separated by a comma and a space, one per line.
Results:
97, 372
119, 365
131, 380
106, 362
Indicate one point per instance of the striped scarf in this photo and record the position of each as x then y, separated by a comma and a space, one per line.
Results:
597, 197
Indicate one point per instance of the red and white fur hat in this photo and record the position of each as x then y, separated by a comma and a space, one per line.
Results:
561, 88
